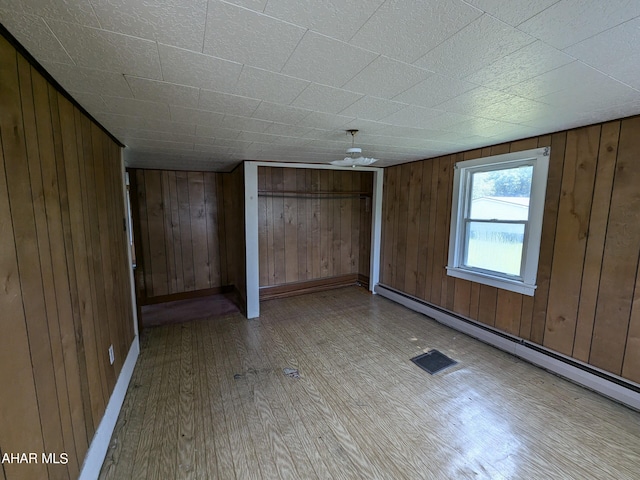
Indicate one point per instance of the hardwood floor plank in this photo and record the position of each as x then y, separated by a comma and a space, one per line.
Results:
361, 408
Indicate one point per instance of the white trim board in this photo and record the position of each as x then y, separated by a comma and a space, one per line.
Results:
97, 452
605, 383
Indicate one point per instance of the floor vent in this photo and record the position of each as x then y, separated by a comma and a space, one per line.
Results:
433, 361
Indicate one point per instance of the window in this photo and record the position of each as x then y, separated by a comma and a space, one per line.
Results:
496, 219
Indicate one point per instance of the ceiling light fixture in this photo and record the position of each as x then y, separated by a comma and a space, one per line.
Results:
352, 160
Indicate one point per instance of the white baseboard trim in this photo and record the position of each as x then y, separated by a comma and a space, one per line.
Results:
605, 383
100, 443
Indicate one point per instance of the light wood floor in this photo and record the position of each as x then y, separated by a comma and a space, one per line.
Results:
360, 408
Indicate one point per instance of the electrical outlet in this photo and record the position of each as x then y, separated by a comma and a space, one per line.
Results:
112, 357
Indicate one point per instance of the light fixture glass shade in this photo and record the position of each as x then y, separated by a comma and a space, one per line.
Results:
353, 162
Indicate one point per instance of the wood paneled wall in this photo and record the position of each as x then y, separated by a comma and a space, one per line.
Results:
64, 275
189, 229
587, 304
313, 224
179, 226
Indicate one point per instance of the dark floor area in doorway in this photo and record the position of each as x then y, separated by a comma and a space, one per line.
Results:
187, 310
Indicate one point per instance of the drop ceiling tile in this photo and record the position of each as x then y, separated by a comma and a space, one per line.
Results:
338, 19
214, 149
91, 102
114, 120
190, 115
159, 145
407, 29
274, 112
513, 12
571, 21
560, 79
160, 125
624, 40
156, 91
68, 11
89, 80
173, 22
246, 124
514, 110
288, 130
227, 103
372, 108
114, 52
474, 47
275, 87
257, 5
580, 98
325, 60
420, 117
140, 108
365, 126
321, 98
473, 102
153, 135
434, 90
530, 61
216, 132
195, 69
385, 78
222, 142
249, 37
483, 127
325, 121
34, 34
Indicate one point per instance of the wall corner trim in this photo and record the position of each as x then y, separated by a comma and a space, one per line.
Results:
609, 385
100, 443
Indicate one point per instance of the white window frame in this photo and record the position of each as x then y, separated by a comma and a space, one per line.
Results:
524, 283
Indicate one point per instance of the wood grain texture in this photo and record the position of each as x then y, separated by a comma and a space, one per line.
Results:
595, 240
181, 228
346, 416
586, 279
63, 252
313, 224
581, 156
620, 259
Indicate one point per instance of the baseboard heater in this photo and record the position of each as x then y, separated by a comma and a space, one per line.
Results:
605, 383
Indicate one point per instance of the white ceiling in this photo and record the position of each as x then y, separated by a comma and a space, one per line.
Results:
197, 84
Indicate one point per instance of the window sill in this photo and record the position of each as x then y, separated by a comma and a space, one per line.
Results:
492, 280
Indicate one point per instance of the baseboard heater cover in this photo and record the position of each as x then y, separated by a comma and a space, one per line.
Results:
605, 383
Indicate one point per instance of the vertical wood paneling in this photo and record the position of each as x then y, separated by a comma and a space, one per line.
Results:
620, 260
585, 304
413, 228
62, 254
631, 361
389, 206
290, 226
263, 231
346, 259
581, 155
21, 400
323, 229
547, 240
595, 239
182, 231
199, 231
335, 264
301, 226
171, 226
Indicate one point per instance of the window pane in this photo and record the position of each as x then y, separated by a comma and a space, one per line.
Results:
501, 194
494, 246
